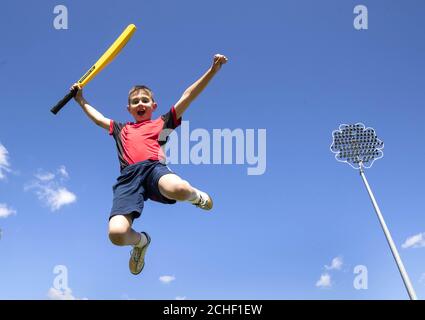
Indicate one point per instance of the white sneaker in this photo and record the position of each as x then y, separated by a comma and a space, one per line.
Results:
137, 259
205, 201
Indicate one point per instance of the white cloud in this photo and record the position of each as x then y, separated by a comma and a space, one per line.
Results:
4, 162
58, 198
181, 298
324, 281
5, 211
49, 189
46, 176
62, 171
336, 264
325, 278
416, 241
55, 294
167, 279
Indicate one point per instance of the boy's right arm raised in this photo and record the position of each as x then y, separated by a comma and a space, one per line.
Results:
91, 112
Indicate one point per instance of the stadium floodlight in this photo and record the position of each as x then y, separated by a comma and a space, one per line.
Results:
360, 147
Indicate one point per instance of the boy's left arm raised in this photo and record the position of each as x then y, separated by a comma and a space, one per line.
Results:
196, 88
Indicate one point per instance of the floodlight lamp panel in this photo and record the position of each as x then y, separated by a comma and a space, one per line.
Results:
356, 145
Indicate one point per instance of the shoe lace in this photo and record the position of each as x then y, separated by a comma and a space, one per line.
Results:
202, 202
135, 253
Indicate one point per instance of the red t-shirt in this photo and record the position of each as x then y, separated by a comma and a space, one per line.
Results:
141, 141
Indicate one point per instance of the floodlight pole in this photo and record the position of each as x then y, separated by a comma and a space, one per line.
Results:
394, 251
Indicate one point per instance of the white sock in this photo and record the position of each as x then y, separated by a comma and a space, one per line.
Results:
196, 197
142, 241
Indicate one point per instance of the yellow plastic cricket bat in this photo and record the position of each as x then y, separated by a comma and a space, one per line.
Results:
104, 60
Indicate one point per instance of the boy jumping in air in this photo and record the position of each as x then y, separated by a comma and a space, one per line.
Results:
143, 172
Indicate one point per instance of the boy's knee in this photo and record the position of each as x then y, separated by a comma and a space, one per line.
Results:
118, 235
182, 190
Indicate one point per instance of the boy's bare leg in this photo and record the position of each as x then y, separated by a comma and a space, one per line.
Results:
173, 187
121, 233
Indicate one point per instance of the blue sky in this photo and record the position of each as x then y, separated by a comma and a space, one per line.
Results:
296, 68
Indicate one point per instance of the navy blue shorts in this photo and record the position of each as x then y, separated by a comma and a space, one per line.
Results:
136, 184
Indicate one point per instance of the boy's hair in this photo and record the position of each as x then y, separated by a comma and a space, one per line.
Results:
140, 87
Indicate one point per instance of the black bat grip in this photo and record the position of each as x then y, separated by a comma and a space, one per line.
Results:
64, 101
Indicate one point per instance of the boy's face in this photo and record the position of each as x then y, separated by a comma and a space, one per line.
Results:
141, 105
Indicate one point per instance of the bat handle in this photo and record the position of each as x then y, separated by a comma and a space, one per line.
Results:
64, 101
